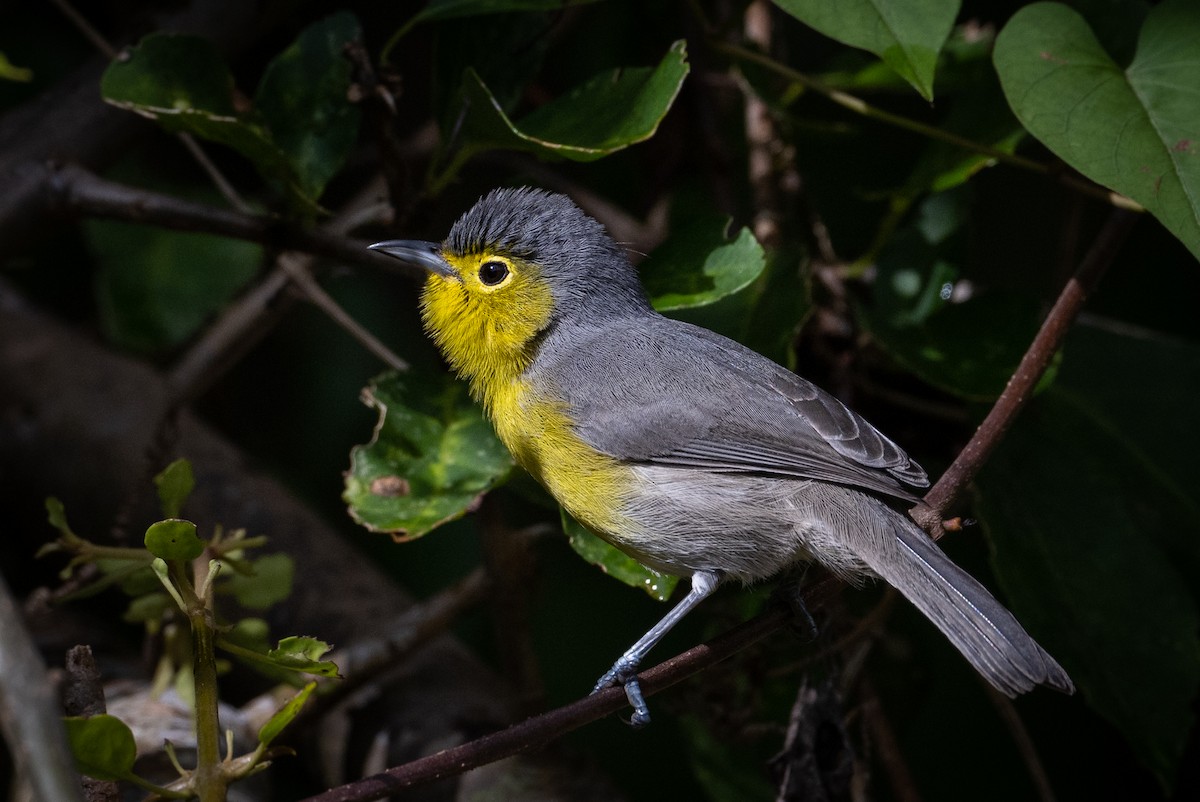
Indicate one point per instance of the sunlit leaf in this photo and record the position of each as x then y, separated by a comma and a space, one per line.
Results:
1134, 130
698, 265
431, 458
174, 539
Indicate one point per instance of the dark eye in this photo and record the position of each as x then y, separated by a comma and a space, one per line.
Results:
492, 273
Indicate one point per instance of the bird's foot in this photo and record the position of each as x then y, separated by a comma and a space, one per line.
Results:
624, 672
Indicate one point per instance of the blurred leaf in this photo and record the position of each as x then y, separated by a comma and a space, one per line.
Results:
303, 96
1133, 130
269, 584
969, 347
103, 746
569, 126
11, 72
615, 562
156, 288
1072, 554
906, 35
150, 607
175, 483
174, 539
284, 715
431, 458
698, 265
56, 515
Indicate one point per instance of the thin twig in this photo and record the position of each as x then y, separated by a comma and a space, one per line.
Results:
761, 140
80, 191
1020, 735
87, 29
1033, 364
860, 106
298, 269
904, 788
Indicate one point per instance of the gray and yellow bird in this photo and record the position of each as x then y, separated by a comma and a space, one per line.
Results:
691, 453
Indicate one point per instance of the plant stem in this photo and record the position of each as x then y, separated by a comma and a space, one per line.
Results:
210, 781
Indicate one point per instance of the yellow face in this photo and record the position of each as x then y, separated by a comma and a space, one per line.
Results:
485, 316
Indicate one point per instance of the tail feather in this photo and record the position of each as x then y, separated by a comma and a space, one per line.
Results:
986, 633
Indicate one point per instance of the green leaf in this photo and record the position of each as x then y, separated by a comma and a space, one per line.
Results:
284, 715
148, 608
698, 265
303, 654
269, 583
174, 539
303, 97
103, 746
1095, 533
615, 562
156, 288
294, 654
175, 483
431, 458
56, 515
635, 99
182, 83
1134, 130
906, 35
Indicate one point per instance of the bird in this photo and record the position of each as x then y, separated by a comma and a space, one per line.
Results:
686, 450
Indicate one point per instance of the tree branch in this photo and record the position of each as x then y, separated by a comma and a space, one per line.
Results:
78, 191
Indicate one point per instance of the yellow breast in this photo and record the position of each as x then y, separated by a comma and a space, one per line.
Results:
590, 485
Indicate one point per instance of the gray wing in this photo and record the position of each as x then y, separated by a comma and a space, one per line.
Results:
671, 393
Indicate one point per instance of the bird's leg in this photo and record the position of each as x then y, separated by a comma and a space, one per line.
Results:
624, 671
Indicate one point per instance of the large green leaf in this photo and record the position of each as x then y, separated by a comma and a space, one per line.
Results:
431, 458
699, 265
906, 34
615, 562
1095, 534
303, 98
613, 110
303, 125
182, 83
1134, 130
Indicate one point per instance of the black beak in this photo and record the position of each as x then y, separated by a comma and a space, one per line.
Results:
427, 255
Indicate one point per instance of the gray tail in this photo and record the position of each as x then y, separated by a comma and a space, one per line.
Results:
979, 626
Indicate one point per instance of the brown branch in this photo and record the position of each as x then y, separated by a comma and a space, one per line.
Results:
1029, 372
540, 730
78, 191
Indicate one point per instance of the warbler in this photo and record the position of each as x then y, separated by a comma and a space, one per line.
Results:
691, 453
